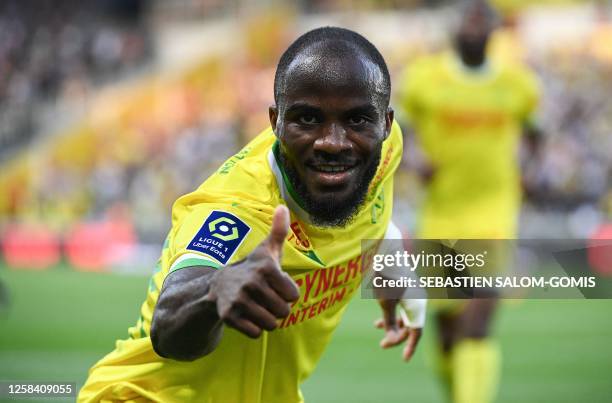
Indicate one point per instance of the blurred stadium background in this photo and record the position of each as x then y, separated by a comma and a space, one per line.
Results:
110, 109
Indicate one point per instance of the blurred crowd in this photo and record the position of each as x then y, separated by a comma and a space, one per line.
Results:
163, 141
575, 175
53, 50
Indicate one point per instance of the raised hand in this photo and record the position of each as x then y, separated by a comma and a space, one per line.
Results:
252, 294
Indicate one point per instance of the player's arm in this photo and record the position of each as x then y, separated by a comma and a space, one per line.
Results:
249, 296
416, 159
531, 161
533, 135
185, 323
534, 138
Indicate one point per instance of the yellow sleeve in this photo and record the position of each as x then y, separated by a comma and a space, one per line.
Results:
411, 91
214, 235
209, 234
531, 97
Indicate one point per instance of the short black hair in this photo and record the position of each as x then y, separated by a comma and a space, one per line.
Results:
333, 35
482, 6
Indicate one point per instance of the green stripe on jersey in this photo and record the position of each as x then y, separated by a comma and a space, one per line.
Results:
195, 262
142, 330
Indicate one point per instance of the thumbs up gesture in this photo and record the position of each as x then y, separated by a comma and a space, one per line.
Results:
252, 294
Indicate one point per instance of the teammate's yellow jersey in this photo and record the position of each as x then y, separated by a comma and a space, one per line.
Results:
221, 223
468, 124
507, 47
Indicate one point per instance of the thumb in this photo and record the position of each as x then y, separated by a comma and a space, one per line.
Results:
279, 230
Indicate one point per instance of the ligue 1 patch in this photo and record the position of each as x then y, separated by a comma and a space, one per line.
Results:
220, 236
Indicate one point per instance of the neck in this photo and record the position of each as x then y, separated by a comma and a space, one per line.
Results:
473, 61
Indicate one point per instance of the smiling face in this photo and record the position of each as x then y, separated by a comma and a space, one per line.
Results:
331, 119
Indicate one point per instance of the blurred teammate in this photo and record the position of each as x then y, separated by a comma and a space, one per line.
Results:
247, 294
468, 112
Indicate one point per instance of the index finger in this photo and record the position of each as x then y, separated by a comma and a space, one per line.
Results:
411, 343
282, 284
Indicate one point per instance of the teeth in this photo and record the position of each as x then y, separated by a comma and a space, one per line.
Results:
330, 168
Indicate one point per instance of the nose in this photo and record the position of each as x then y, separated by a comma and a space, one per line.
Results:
333, 139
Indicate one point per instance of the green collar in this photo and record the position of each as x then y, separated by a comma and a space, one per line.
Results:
286, 181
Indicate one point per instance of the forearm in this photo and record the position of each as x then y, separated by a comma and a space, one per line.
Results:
249, 295
534, 139
185, 324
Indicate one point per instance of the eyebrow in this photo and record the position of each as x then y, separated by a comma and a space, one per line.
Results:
302, 106
366, 109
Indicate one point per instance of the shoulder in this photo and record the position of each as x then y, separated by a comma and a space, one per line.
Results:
421, 73
246, 176
427, 62
521, 76
219, 232
417, 67
243, 190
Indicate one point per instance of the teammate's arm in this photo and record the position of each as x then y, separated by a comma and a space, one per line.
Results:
416, 159
533, 143
248, 295
533, 135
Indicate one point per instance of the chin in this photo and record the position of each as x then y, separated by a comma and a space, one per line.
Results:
332, 199
337, 195
333, 209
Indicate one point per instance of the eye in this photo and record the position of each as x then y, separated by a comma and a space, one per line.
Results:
356, 120
307, 119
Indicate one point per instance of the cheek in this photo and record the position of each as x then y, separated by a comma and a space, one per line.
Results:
296, 142
366, 145
294, 152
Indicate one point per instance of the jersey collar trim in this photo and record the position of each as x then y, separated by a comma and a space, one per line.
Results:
483, 73
284, 185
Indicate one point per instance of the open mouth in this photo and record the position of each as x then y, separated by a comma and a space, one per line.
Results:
331, 168
332, 174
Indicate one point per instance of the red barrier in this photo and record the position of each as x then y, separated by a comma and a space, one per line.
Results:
98, 245
30, 246
600, 250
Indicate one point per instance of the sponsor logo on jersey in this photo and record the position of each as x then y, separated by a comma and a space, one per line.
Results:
298, 238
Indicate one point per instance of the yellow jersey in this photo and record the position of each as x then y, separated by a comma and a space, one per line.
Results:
221, 223
468, 123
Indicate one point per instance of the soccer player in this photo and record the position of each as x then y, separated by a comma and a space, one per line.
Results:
468, 113
263, 257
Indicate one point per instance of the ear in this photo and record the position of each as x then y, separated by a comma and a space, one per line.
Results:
273, 114
389, 116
